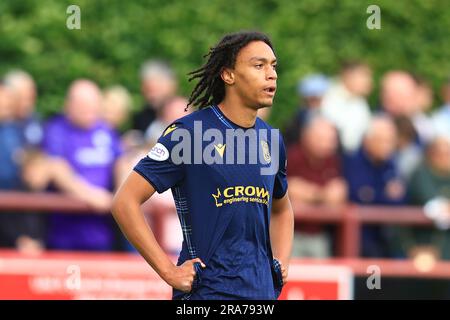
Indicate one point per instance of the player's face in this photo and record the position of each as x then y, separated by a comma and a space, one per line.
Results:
255, 76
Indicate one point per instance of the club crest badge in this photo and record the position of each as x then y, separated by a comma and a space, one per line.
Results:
265, 150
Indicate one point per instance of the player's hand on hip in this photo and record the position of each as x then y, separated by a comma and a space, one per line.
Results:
284, 272
183, 276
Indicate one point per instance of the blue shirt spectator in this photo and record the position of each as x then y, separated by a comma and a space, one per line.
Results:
369, 182
23, 87
23, 230
10, 146
373, 179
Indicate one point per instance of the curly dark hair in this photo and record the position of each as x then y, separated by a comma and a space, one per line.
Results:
210, 88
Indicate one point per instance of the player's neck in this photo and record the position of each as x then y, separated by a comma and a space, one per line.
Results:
238, 113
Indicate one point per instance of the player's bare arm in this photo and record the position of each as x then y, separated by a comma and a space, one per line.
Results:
281, 232
127, 212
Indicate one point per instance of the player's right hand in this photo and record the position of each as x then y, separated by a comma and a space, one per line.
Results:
182, 277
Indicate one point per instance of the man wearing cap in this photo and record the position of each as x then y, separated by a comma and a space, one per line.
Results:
311, 88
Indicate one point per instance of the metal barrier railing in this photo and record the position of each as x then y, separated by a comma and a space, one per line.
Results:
347, 219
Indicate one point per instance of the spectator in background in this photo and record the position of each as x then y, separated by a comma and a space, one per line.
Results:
423, 103
91, 149
346, 106
40, 171
315, 177
432, 177
373, 179
11, 142
406, 95
116, 106
314, 165
17, 230
409, 153
311, 89
134, 148
172, 110
441, 118
158, 83
398, 93
24, 89
137, 145
264, 113
430, 186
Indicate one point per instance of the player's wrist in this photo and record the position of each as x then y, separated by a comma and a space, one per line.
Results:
167, 272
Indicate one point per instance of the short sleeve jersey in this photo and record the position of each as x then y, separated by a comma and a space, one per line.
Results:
223, 186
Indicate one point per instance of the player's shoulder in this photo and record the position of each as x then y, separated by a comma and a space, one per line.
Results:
184, 125
260, 123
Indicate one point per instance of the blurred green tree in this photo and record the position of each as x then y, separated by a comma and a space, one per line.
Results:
309, 36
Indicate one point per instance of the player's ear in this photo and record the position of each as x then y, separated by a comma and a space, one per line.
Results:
227, 76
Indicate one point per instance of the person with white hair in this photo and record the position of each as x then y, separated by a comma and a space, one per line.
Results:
158, 83
373, 179
24, 89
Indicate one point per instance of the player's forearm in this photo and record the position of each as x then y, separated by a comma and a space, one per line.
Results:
282, 232
133, 225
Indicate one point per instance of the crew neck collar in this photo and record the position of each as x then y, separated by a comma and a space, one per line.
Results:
222, 117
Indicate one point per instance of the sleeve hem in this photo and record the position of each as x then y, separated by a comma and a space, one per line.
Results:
153, 184
277, 196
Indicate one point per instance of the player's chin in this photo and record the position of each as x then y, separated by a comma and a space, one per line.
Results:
265, 102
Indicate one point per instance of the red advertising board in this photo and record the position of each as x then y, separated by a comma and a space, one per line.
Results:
125, 276
318, 282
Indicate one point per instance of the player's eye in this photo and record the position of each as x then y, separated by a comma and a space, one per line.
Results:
258, 66
274, 66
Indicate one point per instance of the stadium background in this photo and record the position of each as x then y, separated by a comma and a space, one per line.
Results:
309, 36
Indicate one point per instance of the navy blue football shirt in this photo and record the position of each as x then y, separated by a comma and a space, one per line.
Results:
224, 208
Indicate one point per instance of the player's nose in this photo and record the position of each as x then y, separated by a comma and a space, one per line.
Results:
271, 74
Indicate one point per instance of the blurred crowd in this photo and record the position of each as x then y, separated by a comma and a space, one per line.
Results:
83, 152
396, 153
340, 150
